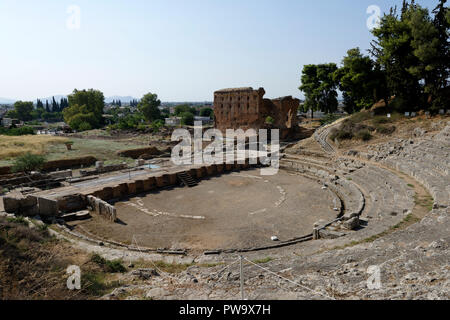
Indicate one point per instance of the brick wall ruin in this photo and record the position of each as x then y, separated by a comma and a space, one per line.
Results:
245, 108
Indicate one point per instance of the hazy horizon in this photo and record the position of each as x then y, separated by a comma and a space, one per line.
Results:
180, 50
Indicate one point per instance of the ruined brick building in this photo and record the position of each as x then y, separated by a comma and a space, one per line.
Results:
245, 108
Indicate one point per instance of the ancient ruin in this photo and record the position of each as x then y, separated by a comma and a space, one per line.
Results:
245, 108
327, 217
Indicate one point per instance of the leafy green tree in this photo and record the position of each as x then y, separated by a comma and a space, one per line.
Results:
39, 104
442, 63
187, 119
319, 87
270, 120
180, 109
361, 82
310, 84
23, 110
28, 162
55, 105
206, 112
85, 106
149, 107
393, 52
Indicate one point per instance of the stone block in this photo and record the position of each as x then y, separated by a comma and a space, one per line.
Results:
139, 186
211, 170
351, 224
131, 188
124, 189
173, 179
48, 207
11, 204
147, 186
161, 181
152, 183
201, 172
116, 192
107, 193
193, 173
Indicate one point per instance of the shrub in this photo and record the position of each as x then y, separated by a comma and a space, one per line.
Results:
343, 135
187, 119
361, 116
386, 130
364, 135
27, 163
270, 120
340, 134
329, 118
22, 131
84, 126
114, 266
157, 125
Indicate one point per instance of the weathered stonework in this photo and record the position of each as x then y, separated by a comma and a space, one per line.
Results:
245, 108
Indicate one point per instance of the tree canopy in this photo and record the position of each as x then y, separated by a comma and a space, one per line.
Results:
319, 87
85, 109
409, 60
149, 107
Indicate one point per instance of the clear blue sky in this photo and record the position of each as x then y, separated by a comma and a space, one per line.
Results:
183, 50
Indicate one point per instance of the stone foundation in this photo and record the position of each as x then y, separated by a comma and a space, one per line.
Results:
102, 208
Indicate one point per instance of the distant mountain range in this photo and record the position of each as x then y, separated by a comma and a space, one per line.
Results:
123, 99
6, 101
58, 97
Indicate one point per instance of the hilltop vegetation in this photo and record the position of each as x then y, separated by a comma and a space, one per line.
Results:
409, 60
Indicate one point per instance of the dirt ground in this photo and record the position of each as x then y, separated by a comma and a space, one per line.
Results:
237, 210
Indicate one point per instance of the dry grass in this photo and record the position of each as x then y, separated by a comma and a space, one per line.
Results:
11, 147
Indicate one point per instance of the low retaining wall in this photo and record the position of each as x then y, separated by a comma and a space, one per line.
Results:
105, 169
68, 163
136, 153
30, 206
141, 185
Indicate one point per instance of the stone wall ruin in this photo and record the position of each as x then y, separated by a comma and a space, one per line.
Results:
245, 108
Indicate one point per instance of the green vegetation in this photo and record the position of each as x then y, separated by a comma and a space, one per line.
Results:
408, 68
114, 266
360, 80
362, 125
424, 201
319, 87
262, 261
95, 284
18, 220
270, 120
22, 131
28, 162
180, 109
85, 111
329, 119
364, 135
206, 112
22, 110
149, 107
187, 119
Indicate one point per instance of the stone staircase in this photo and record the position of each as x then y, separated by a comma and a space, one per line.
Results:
186, 179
